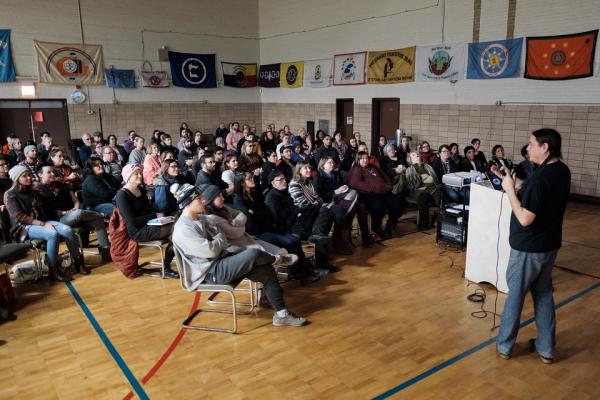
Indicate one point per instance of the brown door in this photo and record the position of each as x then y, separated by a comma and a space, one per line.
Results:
29, 118
385, 119
345, 117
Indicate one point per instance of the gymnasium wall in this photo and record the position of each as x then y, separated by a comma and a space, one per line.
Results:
439, 112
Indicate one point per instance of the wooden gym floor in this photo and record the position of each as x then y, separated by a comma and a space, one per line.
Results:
394, 322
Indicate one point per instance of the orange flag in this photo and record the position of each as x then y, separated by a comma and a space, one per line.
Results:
561, 57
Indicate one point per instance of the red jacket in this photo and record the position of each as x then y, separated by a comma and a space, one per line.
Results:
123, 250
369, 180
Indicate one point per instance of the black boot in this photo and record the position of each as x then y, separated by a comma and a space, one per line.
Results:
169, 273
56, 274
80, 265
105, 253
341, 242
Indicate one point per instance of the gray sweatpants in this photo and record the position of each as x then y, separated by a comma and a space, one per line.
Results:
253, 264
78, 218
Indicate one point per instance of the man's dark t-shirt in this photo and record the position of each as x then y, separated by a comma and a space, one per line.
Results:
544, 193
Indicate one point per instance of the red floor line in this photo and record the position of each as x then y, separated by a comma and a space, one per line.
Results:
169, 350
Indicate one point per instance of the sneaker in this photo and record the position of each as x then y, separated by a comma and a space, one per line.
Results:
504, 356
321, 272
285, 260
289, 320
545, 360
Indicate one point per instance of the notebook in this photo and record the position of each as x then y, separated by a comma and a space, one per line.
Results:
161, 221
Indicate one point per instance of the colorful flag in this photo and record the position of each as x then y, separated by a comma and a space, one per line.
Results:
268, 76
391, 66
349, 69
120, 78
317, 73
443, 62
291, 75
71, 64
7, 69
193, 70
239, 75
561, 57
154, 79
495, 60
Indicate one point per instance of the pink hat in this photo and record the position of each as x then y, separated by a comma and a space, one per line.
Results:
128, 171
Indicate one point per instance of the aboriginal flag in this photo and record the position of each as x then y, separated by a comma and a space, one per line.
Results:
561, 57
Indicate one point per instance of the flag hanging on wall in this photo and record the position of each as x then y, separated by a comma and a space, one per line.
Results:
72, 64
154, 79
291, 75
349, 69
561, 57
7, 69
444, 62
317, 73
239, 75
495, 60
120, 78
391, 66
268, 76
193, 70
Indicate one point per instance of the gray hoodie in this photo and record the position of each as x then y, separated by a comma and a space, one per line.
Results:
200, 243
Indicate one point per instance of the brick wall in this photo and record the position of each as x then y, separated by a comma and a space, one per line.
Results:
144, 117
506, 125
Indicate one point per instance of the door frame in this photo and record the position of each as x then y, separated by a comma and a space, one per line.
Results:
33, 133
339, 113
375, 111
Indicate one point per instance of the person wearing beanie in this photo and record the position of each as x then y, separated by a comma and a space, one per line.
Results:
29, 222
205, 259
31, 161
136, 210
5, 185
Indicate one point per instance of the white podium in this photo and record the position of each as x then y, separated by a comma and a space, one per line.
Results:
487, 242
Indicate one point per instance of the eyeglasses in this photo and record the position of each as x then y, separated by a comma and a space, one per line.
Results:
3, 165
281, 178
174, 166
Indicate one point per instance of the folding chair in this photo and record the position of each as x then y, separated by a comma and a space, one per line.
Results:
157, 244
215, 290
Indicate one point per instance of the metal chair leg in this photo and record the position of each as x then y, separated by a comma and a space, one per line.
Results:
187, 322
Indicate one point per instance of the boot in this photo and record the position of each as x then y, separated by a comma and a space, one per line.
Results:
105, 253
56, 274
341, 242
80, 265
367, 240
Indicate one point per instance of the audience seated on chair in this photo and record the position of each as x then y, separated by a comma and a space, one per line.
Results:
376, 191
164, 201
311, 222
260, 223
332, 187
99, 188
60, 203
207, 256
29, 222
423, 185
476, 143
470, 162
498, 158
208, 174
136, 211
446, 165
426, 154
304, 195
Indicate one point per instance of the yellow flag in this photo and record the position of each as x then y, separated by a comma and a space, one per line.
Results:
391, 66
291, 75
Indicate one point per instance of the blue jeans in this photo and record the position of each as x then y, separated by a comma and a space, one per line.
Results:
104, 208
529, 272
52, 238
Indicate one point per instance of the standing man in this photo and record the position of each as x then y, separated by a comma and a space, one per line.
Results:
535, 237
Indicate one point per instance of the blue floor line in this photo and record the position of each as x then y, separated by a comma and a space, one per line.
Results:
137, 387
408, 383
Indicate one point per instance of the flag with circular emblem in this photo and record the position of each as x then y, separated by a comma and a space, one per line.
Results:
561, 57
291, 75
72, 64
